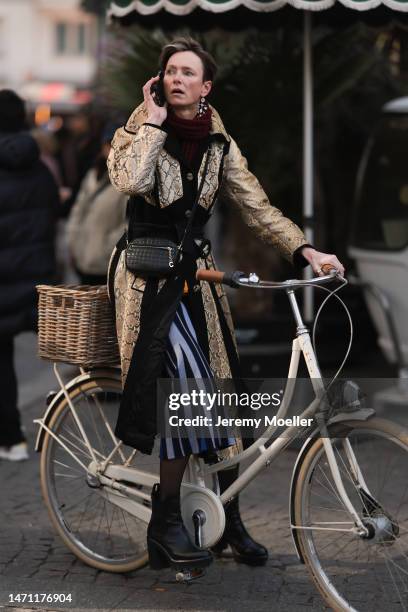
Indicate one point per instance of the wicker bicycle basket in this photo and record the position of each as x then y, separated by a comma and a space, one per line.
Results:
76, 325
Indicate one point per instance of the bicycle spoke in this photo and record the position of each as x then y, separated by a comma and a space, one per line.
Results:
330, 542
102, 515
385, 479
74, 446
331, 509
96, 428
402, 500
82, 442
394, 562
126, 525
379, 578
341, 536
332, 489
351, 565
346, 473
69, 467
395, 584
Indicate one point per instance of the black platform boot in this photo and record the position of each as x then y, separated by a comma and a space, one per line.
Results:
168, 541
243, 546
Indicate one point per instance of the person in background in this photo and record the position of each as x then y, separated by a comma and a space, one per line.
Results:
97, 219
78, 147
29, 204
48, 145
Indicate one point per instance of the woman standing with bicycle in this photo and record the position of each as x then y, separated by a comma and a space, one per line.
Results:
175, 158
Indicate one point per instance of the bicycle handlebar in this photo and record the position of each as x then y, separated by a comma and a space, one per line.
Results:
328, 268
216, 276
240, 279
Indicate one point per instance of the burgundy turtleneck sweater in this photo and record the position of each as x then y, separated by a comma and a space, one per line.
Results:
189, 132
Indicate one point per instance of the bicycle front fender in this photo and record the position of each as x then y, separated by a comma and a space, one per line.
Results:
359, 415
303, 451
70, 387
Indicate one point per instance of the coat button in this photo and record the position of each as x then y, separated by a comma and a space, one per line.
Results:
189, 176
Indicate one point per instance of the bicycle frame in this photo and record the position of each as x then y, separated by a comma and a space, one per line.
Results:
125, 496
301, 345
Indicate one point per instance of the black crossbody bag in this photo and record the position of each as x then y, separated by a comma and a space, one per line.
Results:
158, 257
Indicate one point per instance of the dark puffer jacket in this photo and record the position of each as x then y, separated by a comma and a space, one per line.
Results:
28, 209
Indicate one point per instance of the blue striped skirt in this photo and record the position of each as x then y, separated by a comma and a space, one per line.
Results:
185, 359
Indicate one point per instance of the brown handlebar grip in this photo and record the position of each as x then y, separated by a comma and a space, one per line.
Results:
327, 268
211, 276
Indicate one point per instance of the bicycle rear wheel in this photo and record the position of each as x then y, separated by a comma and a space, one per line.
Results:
98, 532
351, 571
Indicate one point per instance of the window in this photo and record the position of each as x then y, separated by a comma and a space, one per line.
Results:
61, 37
72, 38
81, 38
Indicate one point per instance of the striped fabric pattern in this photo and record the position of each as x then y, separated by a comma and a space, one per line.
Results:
185, 360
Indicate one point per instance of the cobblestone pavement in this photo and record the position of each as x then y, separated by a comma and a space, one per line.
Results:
34, 560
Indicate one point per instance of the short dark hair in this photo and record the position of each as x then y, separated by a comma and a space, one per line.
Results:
12, 111
189, 44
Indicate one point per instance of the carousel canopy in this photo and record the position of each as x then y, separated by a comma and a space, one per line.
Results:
125, 8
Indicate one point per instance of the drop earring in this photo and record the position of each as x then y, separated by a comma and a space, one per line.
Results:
202, 106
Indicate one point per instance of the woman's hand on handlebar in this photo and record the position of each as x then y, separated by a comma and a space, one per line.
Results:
320, 260
155, 114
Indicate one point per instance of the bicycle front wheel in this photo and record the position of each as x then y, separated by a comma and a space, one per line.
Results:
97, 531
355, 572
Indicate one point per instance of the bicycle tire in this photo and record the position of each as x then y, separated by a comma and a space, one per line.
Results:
53, 455
366, 589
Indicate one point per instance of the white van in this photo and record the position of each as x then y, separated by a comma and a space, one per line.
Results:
379, 240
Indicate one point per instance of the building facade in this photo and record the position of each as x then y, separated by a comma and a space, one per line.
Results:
46, 41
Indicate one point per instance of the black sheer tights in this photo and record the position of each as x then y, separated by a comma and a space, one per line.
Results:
171, 475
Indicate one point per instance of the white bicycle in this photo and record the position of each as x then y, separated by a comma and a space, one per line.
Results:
349, 515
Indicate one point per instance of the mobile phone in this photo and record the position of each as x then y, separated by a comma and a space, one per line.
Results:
157, 90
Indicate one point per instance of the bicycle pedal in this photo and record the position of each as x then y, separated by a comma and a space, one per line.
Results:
189, 575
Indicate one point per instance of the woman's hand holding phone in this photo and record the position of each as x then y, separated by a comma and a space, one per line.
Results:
155, 114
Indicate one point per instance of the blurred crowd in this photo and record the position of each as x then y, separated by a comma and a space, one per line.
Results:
90, 212
59, 218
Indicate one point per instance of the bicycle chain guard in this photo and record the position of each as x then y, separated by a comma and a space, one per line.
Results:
201, 502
